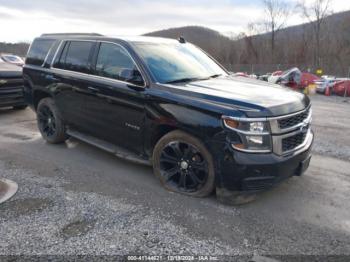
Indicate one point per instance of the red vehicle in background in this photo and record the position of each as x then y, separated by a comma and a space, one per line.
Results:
342, 88
308, 79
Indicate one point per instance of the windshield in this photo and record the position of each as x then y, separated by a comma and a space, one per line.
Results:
175, 62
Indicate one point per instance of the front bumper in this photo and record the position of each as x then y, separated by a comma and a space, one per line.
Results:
251, 173
11, 96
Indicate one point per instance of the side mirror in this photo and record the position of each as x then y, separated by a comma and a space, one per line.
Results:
137, 80
133, 76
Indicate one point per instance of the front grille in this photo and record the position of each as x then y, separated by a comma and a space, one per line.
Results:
11, 91
291, 142
11, 82
293, 120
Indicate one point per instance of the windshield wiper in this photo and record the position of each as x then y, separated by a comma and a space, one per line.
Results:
187, 79
215, 76
190, 79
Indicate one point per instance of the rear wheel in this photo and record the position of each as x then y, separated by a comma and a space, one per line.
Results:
184, 165
50, 122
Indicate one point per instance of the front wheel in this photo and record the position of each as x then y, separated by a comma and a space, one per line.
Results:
184, 165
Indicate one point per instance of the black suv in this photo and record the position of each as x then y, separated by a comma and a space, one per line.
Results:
11, 86
169, 104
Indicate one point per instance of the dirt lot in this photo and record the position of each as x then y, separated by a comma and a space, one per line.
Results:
76, 199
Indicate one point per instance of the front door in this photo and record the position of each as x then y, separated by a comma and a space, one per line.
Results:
116, 107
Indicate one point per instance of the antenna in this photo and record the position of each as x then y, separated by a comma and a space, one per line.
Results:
182, 40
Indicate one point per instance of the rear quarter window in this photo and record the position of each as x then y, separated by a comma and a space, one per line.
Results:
75, 56
38, 51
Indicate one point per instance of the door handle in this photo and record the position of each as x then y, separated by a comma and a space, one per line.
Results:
93, 89
51, 78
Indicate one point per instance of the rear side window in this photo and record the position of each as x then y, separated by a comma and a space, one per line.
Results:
75, 56
38, 51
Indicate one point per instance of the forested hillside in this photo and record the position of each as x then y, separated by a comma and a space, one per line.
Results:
295, 46
18, 49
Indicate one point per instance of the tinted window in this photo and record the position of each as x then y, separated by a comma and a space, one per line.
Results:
60, 63
75, 56
78, 56
38, 51
114, 62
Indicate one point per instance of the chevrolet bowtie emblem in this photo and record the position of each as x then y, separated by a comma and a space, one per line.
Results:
2, 82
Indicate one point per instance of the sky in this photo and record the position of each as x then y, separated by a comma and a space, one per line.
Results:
22, 20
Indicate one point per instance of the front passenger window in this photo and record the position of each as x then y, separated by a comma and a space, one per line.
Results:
114, 62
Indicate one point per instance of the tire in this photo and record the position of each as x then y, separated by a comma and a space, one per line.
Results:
20, 107
50, 122
183, 165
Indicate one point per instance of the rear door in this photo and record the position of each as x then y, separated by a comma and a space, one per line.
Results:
116, 111
71, 74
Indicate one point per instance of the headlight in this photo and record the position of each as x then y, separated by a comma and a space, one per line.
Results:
254, 134
251, 127
257, 127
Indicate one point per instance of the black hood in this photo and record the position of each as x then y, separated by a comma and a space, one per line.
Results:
256, 98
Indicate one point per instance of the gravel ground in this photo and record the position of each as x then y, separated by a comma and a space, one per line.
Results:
67, 222
331, 124
76, 199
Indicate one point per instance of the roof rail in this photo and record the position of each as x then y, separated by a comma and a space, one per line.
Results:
72, 34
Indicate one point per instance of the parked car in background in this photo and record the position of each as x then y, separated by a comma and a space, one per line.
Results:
11, 86
12, 59
308, 79
273, 78
264, 77
341, 88
242, 74
294, 78
322, 84
290, 78
328, 77
168, 104
254, 76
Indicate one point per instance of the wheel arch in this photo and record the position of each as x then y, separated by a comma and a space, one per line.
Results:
202, 125
162, 130
158, 132
38, 95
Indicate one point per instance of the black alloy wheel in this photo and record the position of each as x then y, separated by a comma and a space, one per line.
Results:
50, 122
184, 165
46, 121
